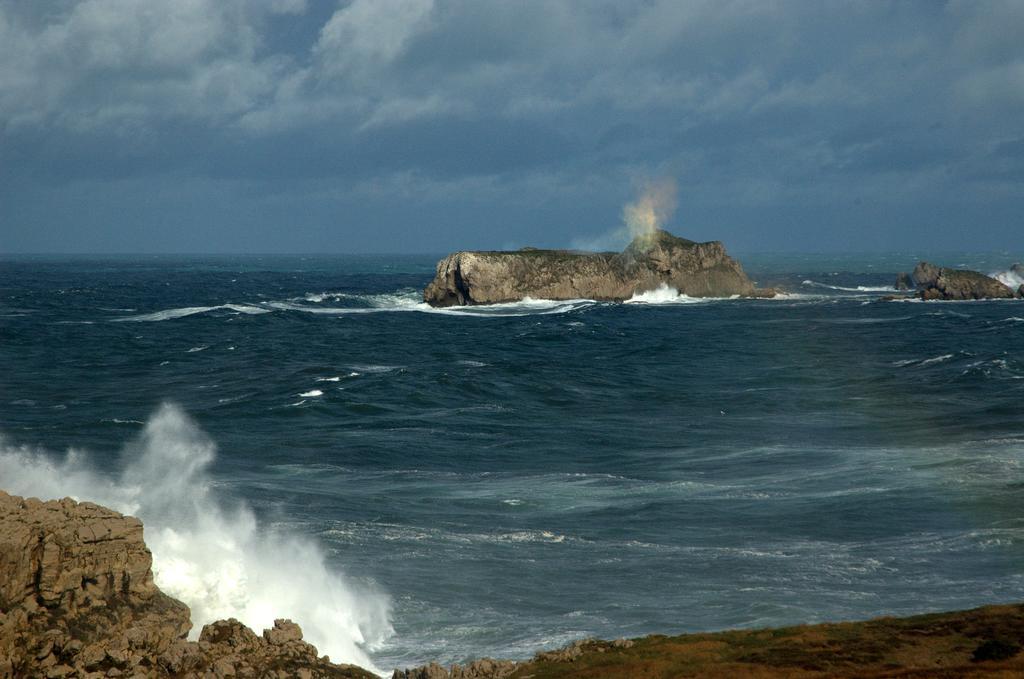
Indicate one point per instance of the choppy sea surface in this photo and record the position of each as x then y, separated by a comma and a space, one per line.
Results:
304, 438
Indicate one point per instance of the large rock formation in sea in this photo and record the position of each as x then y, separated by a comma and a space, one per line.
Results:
936, 282
77, 599
650, 261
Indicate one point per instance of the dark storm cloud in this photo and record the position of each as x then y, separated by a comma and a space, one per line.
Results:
437, 124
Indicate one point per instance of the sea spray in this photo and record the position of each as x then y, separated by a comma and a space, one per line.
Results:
663, 294
210, 554
652, 210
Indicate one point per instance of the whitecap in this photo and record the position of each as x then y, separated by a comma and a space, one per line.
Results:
199, 348
312, 393
373, 369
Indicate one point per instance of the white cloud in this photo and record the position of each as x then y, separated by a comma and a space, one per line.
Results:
369, 33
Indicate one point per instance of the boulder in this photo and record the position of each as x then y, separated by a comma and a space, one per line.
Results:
935, 282
904, 281
650, 261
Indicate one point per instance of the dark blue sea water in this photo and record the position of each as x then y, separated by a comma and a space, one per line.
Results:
441, 485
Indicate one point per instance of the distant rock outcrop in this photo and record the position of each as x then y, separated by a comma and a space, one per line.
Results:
77, 599
650, 261
904, 281
935, 282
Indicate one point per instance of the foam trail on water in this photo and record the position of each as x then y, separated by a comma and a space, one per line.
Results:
213, 556
859, 288
170, 314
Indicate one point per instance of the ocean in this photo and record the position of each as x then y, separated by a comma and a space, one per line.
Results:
304, 438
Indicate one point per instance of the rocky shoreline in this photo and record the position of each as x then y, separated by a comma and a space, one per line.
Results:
77, 599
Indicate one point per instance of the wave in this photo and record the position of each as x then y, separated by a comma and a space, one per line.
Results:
412, 300
922, 361
168, 314
409, 300
210, 554
859, 288
663, 294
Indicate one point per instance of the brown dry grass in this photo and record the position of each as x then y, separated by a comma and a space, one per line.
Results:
934, 645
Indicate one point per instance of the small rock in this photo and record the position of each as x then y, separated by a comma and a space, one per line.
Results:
283, 632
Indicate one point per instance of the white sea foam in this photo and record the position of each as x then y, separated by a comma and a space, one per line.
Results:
209, 553
1010, 278
858, 288
312, 393
338, 378
195, 349
663, 294
169, 314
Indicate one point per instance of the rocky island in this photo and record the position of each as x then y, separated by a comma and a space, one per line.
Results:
650, 261
77, 599
936, 282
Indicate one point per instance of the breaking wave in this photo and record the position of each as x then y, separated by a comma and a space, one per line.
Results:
1012, 278
211, 554
663, 294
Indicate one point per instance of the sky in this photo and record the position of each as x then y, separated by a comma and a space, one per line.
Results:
319, 126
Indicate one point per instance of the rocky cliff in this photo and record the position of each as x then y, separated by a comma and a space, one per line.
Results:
936, 282
77, 599
694, 269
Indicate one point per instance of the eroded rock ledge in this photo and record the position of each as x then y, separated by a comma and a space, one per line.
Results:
650, 261
77, 599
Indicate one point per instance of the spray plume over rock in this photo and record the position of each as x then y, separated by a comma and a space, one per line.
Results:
77, 598
208, 551
654, 259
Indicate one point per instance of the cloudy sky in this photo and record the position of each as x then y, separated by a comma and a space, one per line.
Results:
431, 125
